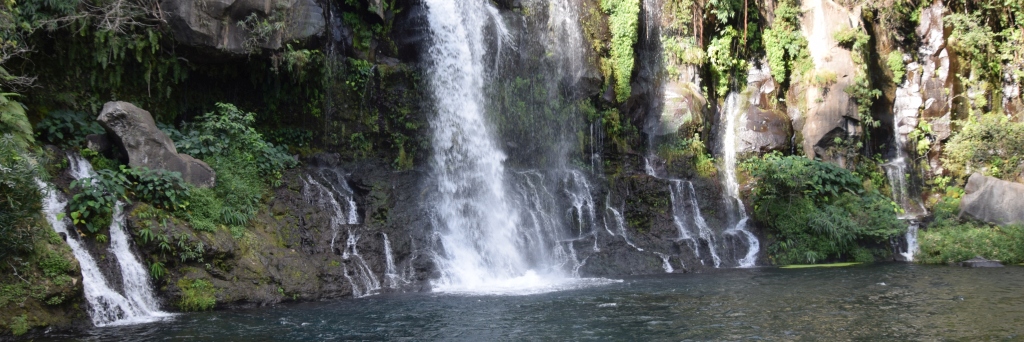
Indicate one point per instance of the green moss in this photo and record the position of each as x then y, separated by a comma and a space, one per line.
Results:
19, 325
623, 21
196, 295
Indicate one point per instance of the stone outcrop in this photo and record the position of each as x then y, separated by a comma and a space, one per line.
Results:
979, 262
762, 128
133, 131
993, 200
831, 112
223, 25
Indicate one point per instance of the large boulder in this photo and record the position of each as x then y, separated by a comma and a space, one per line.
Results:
223, 25
993, 200
133, 130
762, 127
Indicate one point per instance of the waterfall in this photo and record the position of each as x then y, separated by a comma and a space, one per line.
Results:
479, 231
678, 193
620, 225
905, 118
134, 276
328, 189
392, 279
364, 282
106, 306
731, 111
664, 263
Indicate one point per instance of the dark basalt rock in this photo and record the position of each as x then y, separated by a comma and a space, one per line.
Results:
215, 24
134, 132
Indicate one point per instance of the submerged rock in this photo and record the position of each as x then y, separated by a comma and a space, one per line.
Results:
133, 130
993, 200
979, 262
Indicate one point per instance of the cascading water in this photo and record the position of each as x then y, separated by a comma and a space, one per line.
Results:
106, 306
905, 117
135, 278
496, 231
679, 191
392, 279
327, 188
483, 246
731, 111
364, 282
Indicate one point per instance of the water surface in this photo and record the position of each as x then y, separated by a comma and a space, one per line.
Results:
879, 302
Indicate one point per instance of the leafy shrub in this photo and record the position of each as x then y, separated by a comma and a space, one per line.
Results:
816, 211
991, 144
851, 38
227, 133
13, 121
163, 189
948, 239
785, 46
69, 128
895, 63
623, 21
93, 204
20, 199
245, 163
196, 295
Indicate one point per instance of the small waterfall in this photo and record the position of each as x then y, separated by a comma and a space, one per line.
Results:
679, 192
620, 225
897, 170
106, 306
135, 277
364, 282
667, 266
731, 111
392, 279
328, 189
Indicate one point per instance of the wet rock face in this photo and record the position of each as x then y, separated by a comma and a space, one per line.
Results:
133, 131
830, 111
993, 200
216, 24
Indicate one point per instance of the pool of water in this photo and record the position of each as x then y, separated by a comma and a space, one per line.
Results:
878, 302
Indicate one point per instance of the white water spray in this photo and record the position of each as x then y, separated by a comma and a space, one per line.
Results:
732, 110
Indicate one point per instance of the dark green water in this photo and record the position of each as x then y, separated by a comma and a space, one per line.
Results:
892, 302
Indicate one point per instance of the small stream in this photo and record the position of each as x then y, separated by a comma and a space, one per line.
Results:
887, 302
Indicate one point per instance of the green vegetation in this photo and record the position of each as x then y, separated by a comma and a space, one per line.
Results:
623, 21
246, 165
689, 154
69, 128
13, 122
949, 239
816, 211
990, 144
895, 63
21, 201
785, 46
196, 295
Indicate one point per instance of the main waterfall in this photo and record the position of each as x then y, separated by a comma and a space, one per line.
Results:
477, 227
